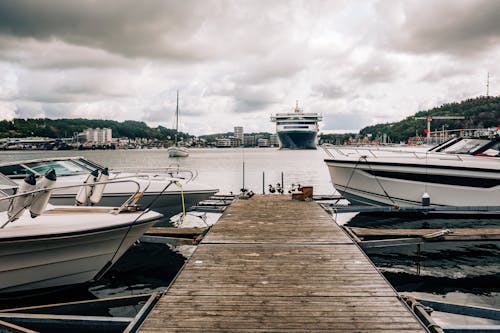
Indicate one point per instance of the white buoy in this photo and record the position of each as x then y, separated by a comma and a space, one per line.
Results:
98, 189
41, 199
18, 204
84, 192
426, 199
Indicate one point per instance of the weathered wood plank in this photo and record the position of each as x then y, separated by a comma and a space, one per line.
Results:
272, 264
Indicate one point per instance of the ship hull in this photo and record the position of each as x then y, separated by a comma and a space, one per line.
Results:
297, 139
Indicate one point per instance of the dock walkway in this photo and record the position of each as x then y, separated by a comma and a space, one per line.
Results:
276, 265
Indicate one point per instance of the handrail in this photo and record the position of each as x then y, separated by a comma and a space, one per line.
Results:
167, 170
126, 202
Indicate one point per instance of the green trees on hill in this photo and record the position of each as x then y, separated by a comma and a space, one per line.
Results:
478, 112
61, 128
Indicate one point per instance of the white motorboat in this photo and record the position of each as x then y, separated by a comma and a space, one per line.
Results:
461, 172
76, 170
62, 245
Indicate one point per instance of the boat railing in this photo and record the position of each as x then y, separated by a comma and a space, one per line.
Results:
173, 171
384, 153
134, 197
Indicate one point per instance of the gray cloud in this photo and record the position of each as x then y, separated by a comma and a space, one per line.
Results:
237, 62
127, 27
330, 91
459, 28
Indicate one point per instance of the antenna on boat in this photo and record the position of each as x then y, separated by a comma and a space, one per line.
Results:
488, 85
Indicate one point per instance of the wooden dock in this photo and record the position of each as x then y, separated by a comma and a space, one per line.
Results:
276, 265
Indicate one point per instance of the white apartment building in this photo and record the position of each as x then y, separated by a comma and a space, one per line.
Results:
98, 135
238, 133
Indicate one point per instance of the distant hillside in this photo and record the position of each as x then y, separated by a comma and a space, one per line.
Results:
61, 128
478, 112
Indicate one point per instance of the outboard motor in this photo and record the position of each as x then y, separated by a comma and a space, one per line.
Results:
98, 189
271, 189
20, 203
41, 199
85, 191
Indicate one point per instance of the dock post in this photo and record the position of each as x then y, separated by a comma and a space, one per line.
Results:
282, 183
263, 183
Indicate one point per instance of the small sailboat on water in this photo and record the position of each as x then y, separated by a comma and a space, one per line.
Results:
175, 150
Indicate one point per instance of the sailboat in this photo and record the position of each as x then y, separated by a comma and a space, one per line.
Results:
175, 150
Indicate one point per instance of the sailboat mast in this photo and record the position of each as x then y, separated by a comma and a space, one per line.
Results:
177, 117
177, 113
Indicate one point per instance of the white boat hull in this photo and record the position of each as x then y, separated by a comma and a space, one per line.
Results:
447, 182
177, 152
51, 260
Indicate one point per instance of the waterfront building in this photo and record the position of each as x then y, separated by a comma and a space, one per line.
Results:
98, 135
249, 140
262, 142
273, 140
238, 133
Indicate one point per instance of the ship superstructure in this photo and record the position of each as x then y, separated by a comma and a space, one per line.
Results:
297, 130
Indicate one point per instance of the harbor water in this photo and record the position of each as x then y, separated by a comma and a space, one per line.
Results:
462, 273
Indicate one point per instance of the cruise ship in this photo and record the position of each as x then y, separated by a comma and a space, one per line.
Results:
296, 129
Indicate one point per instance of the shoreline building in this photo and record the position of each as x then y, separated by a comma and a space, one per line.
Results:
98, 135
238, 133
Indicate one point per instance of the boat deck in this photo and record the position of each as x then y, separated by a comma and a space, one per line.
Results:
276, 265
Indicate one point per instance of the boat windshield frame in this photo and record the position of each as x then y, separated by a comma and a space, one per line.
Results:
467, 146
62, 166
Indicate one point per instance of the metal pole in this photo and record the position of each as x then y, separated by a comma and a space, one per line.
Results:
418, 259
263, 183
282, 183
243, 174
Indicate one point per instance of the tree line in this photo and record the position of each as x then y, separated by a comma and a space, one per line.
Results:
480, 112
64, 128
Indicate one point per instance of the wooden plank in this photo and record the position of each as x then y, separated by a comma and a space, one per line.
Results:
175, 232
6, 327
478, 233
273, 264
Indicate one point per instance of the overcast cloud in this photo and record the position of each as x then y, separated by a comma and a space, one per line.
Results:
237, 62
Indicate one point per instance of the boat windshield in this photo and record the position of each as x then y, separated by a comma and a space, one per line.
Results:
466, 146
62, 168
15, 171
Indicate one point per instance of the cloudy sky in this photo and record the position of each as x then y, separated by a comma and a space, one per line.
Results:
237, 62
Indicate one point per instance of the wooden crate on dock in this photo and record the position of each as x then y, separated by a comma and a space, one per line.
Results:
308, 191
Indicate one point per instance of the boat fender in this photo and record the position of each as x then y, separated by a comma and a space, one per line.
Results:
98, 190
426, 199
19, 204
85, 191
41, 199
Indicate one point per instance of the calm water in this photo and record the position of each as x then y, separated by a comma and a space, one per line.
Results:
462, 273
222, 168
